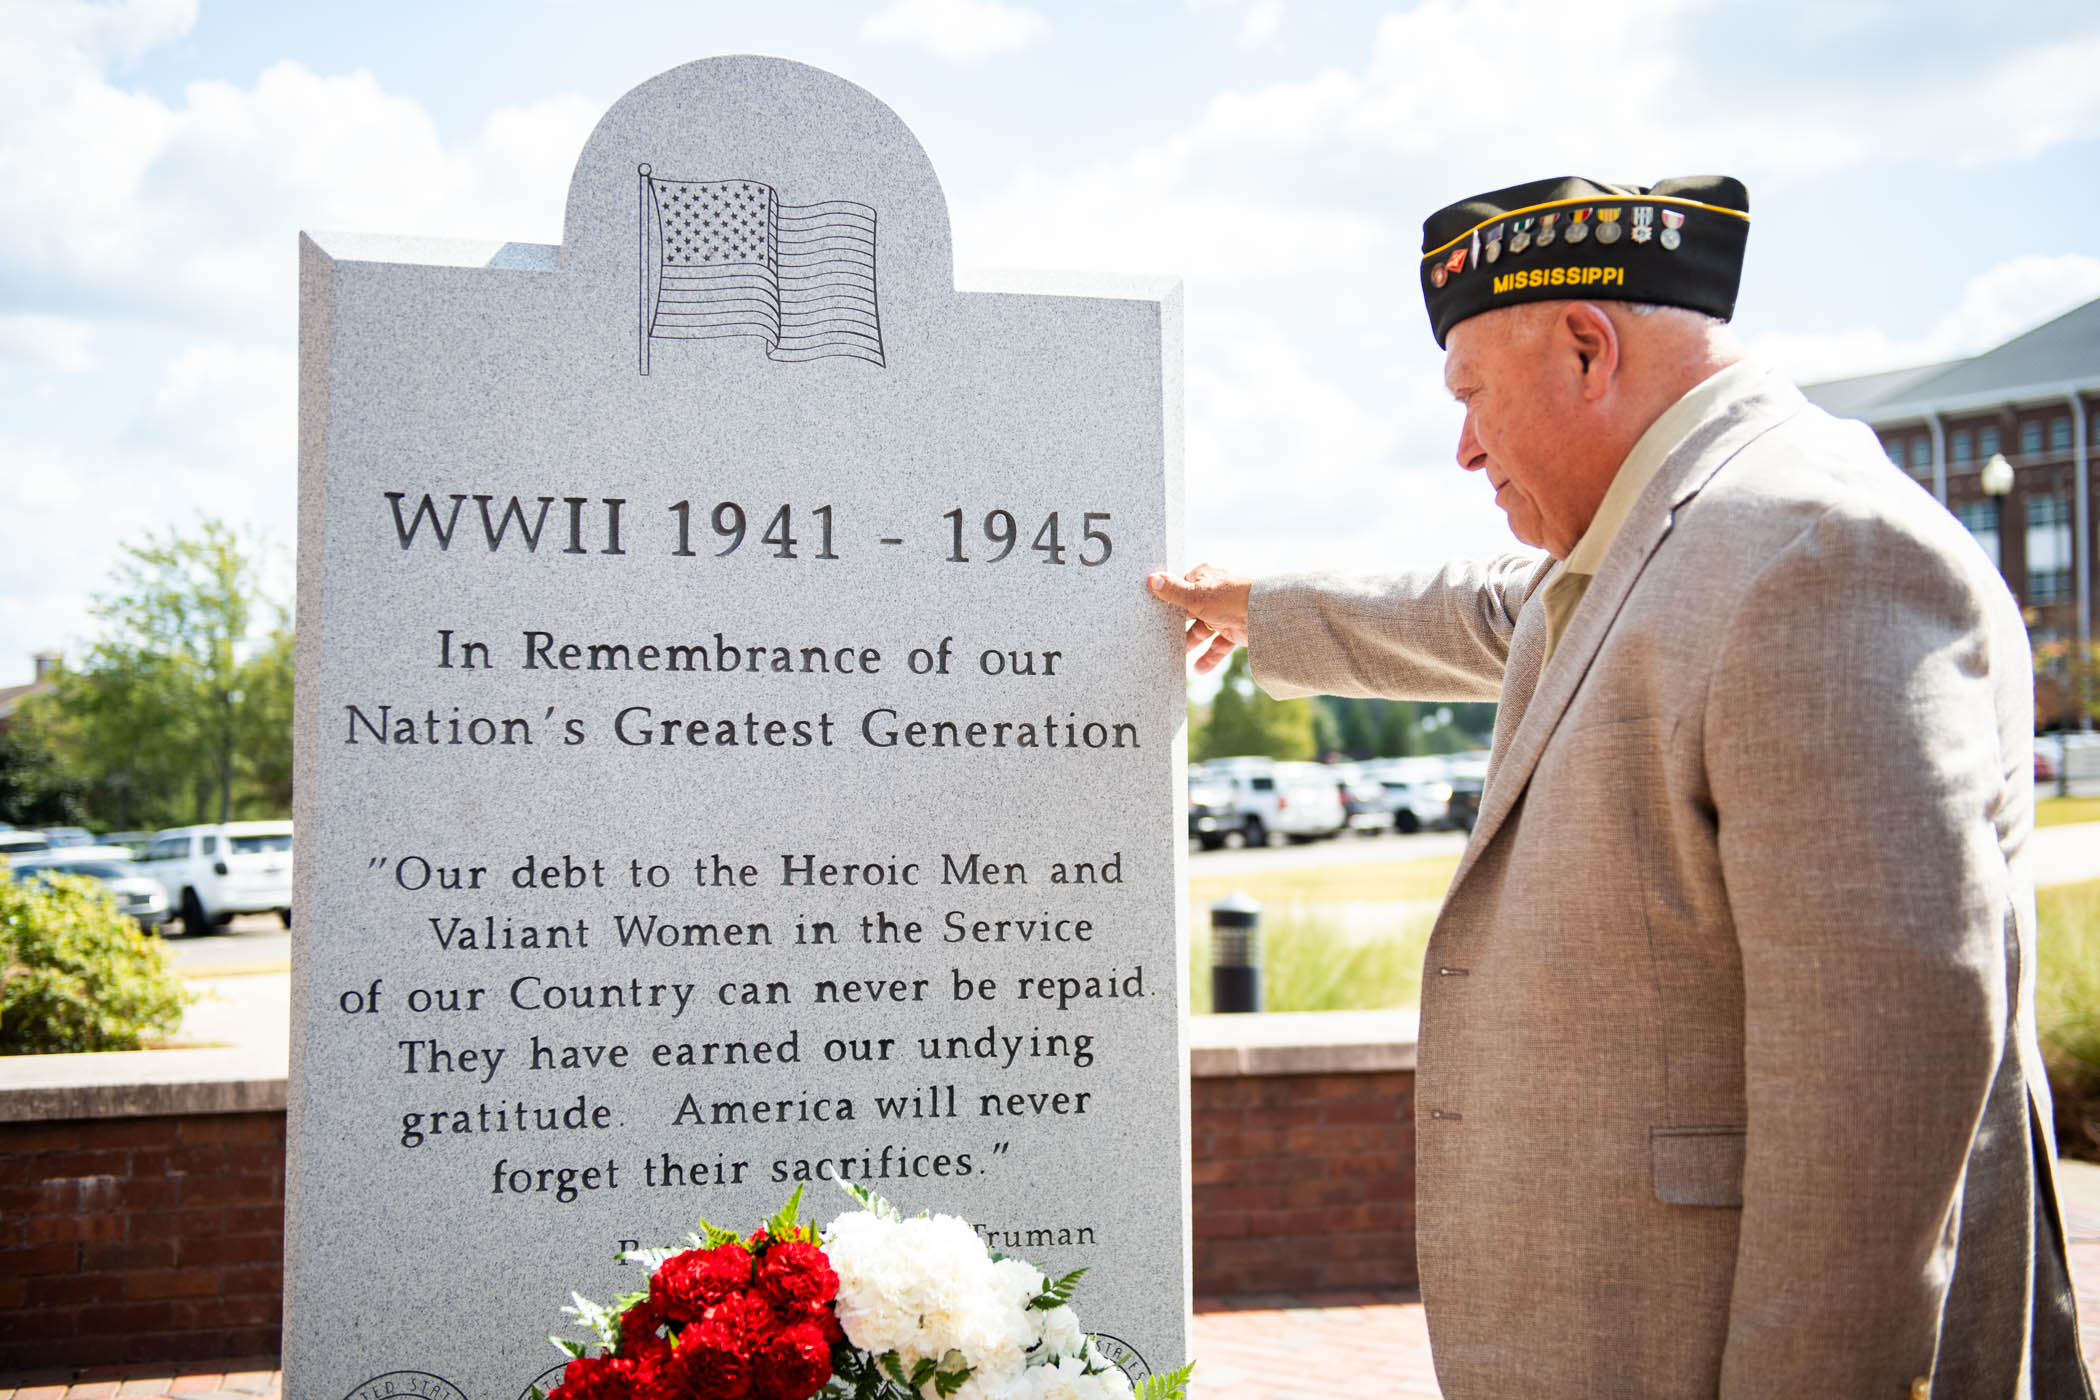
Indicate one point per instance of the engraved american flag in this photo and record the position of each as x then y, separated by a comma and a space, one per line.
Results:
726, 258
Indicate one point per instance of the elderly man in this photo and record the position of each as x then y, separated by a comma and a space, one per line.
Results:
1728, 1082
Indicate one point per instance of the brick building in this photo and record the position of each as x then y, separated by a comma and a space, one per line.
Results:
2036, 400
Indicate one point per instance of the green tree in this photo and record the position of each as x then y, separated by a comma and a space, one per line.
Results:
182, 710
1356, 724
35, 787
1244, 720
1398, 736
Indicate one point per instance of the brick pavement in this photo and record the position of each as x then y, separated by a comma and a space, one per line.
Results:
1246, 1348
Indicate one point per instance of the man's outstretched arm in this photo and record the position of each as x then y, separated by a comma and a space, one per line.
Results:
1425, 634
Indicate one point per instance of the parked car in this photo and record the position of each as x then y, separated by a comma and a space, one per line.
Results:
1296, 800
1214, 812
1466, 773
14, 843
1365, 808
2072, 756
134, 841
212, 873
1416, 792
60, 836
138, 893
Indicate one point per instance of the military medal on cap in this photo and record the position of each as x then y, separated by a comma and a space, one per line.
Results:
1541, 226
1673, 220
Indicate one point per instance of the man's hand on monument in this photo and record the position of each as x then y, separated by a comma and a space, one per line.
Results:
1216, 605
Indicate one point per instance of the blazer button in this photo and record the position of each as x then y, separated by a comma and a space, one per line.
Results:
1921, 1389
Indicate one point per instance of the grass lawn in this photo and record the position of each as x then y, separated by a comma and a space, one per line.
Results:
2067, 1011
1351, 937
1338, 938
1394, 880
2062, 811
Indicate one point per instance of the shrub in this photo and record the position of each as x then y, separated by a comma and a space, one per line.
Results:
76, 973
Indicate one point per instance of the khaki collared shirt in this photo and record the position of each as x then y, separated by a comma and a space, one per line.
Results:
1564, 591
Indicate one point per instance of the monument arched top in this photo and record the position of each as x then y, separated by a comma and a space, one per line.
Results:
808, 139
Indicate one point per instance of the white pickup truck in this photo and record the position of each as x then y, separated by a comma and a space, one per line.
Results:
1296, 800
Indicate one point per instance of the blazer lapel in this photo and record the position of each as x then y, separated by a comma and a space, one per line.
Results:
1688, 468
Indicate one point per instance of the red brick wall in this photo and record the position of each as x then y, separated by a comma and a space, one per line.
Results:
140, 1239
1303, 1183
161, 1239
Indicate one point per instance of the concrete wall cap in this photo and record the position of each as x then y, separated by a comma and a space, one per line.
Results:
1302, 1042
141, 1083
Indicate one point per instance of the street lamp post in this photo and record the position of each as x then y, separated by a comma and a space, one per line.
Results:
1997, 482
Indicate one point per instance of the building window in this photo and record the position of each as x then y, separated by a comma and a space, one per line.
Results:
1987, 442
1961, 445
1920, 453
2060, 434
2049, 561
1980, 518
1894, 447
2031, 439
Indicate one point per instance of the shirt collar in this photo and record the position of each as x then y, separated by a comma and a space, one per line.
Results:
1645, 460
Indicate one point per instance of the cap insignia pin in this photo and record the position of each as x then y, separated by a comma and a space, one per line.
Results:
1643, 224
1608, 229
1578, 226
1547, 233
1520, 235
1494, 244
1438, 275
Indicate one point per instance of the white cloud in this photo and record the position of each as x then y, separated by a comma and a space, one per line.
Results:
119, 208
1996, 305
961, 31
115, 200
1263, 19
52, 342
215, 438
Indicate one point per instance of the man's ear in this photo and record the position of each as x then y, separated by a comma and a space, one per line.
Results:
1594, 340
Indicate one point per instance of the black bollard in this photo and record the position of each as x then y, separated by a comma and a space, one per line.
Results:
1235, 954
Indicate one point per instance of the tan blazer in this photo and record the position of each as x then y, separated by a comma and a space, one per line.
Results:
1729, 1082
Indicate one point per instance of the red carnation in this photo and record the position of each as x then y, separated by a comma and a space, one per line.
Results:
744, 1316
639, 1324
586, 1378
793, 1364
651, 1372
798, 1280
687, 1284
714, 1361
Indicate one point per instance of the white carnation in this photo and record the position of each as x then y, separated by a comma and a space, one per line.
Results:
1066, 1379
1061, 1331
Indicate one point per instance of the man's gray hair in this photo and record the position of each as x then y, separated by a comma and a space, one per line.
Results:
1650, 308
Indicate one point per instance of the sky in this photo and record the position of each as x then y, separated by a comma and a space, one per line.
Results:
1922, 181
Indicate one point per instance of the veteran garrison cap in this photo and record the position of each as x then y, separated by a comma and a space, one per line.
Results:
1676, 243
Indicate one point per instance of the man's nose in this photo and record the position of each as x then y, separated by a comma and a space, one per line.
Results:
1470, 454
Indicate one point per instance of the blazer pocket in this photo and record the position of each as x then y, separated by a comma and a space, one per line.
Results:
1697, 1166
